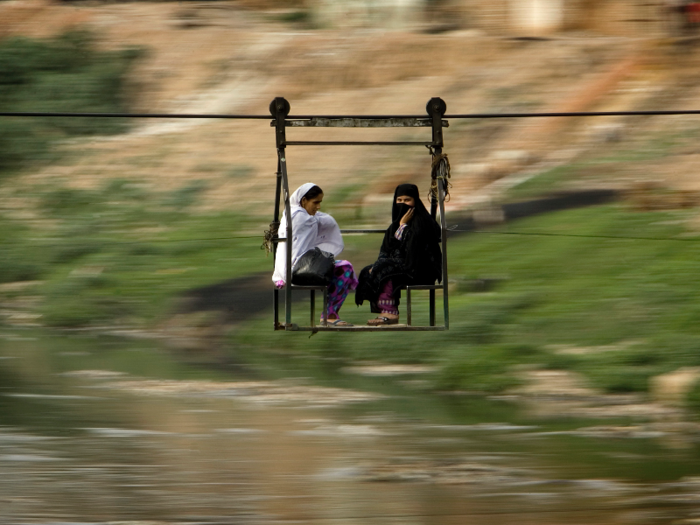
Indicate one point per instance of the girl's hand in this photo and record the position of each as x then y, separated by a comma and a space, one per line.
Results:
407, 218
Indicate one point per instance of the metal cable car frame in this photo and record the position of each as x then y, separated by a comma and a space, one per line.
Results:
279, 109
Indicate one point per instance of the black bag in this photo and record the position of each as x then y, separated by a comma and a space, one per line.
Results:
314, 268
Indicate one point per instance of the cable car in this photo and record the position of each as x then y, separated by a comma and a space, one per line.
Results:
436, 108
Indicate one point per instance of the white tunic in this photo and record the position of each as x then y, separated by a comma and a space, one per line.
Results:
309, 231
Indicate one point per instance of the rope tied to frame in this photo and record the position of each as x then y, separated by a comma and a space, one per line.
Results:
268, 238
439, 171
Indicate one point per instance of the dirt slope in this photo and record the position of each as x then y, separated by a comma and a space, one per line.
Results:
217, 57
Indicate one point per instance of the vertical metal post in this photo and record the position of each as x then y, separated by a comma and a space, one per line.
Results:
288, 277
276, 222
279, 109
312, 301
408, 306
442, 188
436, 108
325, 307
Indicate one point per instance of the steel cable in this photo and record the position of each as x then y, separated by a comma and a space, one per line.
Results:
50, 114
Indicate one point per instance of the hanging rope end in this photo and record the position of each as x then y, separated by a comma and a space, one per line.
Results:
269, 238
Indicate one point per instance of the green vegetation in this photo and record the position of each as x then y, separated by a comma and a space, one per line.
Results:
120, 254
693, 398
298, 16
604, 291
63, 74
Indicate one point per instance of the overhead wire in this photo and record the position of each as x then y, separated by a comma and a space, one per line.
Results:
449, 230
67, 242
576, 235
57, 114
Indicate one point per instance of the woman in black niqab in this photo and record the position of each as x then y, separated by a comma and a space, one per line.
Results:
410, 255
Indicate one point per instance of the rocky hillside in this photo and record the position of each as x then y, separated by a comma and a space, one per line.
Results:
226, 57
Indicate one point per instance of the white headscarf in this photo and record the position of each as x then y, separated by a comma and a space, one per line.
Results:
295, 204
326, 236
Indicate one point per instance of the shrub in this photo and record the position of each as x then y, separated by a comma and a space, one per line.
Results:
482, 369
187, 195
82, 300
63, 74
693, 398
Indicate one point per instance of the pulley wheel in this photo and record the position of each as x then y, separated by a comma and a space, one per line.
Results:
436, 106
279, 106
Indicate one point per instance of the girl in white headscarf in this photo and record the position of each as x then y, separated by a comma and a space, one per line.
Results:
312, 228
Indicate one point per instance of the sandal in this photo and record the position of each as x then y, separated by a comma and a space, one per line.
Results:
381, 321
339, 323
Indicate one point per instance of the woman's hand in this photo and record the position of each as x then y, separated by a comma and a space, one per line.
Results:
407, 218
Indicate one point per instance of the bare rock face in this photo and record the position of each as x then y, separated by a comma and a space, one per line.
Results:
537, 17
673, 387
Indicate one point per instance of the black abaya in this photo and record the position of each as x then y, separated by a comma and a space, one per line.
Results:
415, 259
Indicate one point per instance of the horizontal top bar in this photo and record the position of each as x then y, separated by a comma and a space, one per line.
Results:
351, 122
368, 117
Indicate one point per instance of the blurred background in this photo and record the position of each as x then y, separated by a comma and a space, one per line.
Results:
140, 378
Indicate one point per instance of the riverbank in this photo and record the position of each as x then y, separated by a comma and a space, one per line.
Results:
103, 430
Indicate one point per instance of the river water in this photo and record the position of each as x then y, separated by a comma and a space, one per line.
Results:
102, 430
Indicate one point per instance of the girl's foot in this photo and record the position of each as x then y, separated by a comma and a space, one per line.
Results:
336, 321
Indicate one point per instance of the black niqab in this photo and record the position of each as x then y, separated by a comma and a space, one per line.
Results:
399, 210
414, 259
